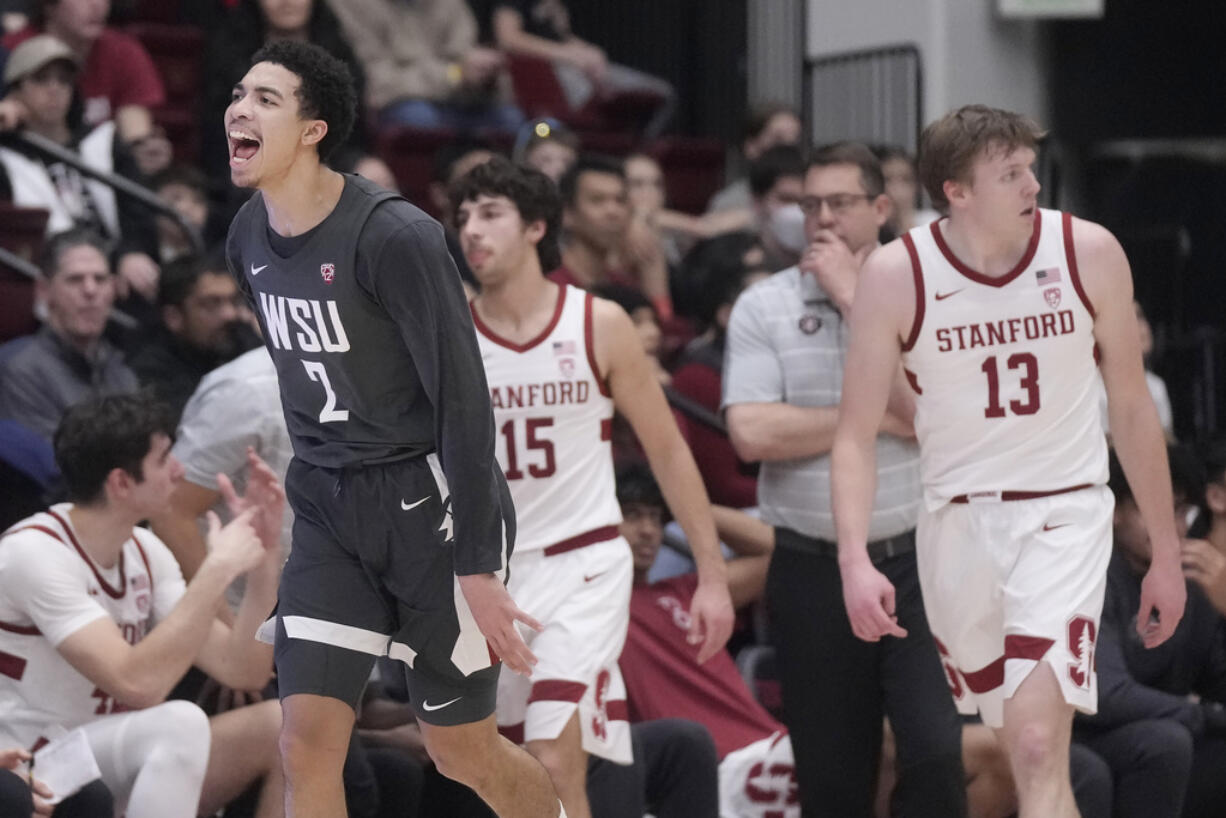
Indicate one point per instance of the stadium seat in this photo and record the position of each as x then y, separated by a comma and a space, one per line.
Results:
693, 170
21, 232
538, 93
177, 51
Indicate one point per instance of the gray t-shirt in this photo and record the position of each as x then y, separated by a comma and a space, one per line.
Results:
787, 343
235, 406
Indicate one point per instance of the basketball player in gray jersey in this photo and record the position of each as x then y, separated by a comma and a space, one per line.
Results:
403, 522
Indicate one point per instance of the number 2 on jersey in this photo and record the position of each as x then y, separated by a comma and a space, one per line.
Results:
532, 442
329, 414
1030, 382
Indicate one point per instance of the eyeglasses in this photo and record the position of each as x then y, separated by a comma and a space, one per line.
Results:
839, 203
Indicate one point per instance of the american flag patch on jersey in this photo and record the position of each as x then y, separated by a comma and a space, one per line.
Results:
563, 347
1049, 276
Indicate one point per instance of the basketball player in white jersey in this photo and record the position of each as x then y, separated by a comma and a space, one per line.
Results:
997, 314
96, 621
559, 362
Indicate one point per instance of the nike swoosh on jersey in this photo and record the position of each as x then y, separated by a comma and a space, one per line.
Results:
255, 271
943, 296
430, 708
587, 578
407, 506
1050, 527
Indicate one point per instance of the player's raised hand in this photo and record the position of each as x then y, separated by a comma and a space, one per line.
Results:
1163, 594
264, 494
496, 614
869, 598
235, 546
711, 618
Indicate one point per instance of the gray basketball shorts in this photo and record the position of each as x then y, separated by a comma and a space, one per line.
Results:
370, 574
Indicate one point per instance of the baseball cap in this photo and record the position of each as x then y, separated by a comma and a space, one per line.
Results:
33, 54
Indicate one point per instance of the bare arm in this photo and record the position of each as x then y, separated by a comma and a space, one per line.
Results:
753, 541
780, 431
638, 396
884, 303
1135, 429
141, 675
231, 654
133, 123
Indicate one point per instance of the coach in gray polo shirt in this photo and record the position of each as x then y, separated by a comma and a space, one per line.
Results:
783, 376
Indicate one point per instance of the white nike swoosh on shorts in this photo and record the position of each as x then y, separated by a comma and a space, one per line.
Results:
430, 708
409, 507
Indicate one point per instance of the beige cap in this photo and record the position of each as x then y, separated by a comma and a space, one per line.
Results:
33, 54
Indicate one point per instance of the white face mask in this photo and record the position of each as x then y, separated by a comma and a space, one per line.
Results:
787, 225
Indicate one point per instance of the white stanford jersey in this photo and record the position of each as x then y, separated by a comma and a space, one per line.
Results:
1004, 370
554, 416
49, 589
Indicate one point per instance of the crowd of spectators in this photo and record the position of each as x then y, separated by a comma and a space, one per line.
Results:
131, 299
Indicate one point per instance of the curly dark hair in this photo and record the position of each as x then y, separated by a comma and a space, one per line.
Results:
532, 193
325, 90
113, 432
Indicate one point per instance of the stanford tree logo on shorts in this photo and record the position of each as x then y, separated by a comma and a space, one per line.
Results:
1081, 634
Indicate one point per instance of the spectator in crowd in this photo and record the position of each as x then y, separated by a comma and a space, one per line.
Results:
118, 80
200, 330
782, 384
765, 126
1160, 710
185, 189
663, 677
39, 75
720, 270
105, 624
901, 185
244, 28
367, 165
67, 360
541, 28
1204, 558
423, 65
776, 182
548, 146
596, 218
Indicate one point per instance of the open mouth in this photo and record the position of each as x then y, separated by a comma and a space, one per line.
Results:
1028, 211
243, 146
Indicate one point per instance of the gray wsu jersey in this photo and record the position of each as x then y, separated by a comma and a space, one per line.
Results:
375, 351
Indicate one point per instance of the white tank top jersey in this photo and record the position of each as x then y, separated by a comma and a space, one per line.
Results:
1004, 370
554, 419
39, 690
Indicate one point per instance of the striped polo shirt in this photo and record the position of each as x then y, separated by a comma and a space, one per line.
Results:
787, 342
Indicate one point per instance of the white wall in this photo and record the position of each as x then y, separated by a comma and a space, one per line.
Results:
968, 53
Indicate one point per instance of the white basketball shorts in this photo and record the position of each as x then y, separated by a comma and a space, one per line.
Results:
1010, 584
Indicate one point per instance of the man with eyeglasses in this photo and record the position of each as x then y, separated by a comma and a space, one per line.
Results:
787, 341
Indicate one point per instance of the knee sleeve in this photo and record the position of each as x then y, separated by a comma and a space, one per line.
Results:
161, 755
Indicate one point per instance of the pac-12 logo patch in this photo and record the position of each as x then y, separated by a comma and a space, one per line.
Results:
567, 367
1081, 636
1052, 294
328, 272
810, 323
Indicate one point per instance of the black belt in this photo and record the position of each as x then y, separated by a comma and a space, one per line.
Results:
878, 550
